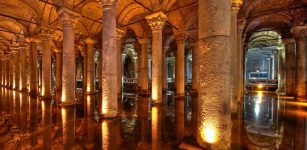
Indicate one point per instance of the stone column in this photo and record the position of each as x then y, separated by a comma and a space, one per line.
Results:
119, 35
33, 80
195, 63
234, 56
164, 72
109, 74
90, 81
281, 73
16, 71
300, 35
68, 19
23, 71
58, 72
11, 74
144, 64
180, 64
275, 52
214, 123
46, 36
290, 66
156, 22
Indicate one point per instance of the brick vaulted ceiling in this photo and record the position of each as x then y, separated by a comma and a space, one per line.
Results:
22, 18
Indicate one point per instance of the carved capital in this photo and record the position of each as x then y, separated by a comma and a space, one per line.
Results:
32, 39
106, 4
90, 40
156, 21
235, 5
180, 37
119, 33
68, 17
287, 41
46, 33
299, 31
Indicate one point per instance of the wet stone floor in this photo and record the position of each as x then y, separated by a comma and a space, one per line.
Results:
264, 121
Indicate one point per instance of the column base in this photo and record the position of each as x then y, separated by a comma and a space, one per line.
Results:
88, 93
280, 92
144, 93
107, 116
179, 95
194, 92
301, 98
65, 105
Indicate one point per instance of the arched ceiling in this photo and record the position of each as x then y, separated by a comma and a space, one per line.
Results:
25, 17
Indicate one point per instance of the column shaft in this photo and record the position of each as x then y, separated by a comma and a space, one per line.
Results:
46, 68
144, 65
281, 73
164, 71
180, 65
290, 66
156, 22
90, 81
68, 19
300, 34
23, 71
33, 69
109, 74
214, 73
16, 71
195, 63
58, 74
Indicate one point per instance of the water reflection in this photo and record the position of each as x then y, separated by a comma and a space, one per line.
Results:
265, 122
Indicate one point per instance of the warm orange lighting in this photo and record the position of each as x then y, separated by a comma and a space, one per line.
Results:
154, 92
260, 86
104, 107
209, 134
105, 135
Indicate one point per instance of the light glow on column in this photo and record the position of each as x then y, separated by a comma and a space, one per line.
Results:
154, 92
209, 132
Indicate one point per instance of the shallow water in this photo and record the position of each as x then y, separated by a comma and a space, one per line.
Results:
264, 121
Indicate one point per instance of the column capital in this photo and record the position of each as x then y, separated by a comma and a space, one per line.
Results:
299, 31
287, 41
58, 46
156, 21
119, 33
105, 4
32, 39
235, 5
90, 40
180, 37
68, 17
46, 33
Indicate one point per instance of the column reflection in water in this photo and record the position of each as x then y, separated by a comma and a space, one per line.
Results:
156, 127
89, 111
179, 104
68, 123
46, 123
33, 120
16, 113
24, 111
195, 104
110, 134
143, 118
263, 121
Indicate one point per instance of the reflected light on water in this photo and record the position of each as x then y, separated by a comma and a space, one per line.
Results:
105, 135
258, 102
